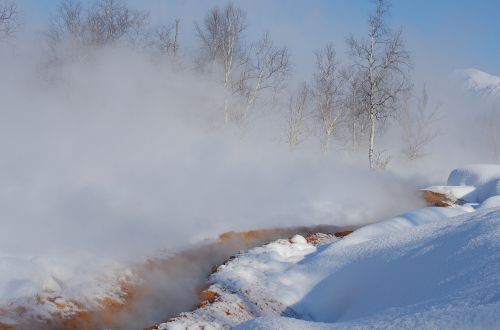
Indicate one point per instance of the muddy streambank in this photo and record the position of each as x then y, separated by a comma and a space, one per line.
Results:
172, 284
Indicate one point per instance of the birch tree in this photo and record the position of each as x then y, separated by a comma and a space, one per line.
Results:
327, 94
220, 37
8, 18
105, 22
383, 65
109, 21
419, 126
166, 38
355, 114
66, 27
266, 69
297, 116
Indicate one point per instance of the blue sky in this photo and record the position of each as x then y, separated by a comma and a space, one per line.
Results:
442, 34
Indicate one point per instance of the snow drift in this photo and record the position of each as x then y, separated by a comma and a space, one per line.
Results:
427, 268
439, 275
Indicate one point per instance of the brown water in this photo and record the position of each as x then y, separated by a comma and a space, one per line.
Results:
171, 285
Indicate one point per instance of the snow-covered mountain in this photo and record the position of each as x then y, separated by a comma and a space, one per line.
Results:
479, 83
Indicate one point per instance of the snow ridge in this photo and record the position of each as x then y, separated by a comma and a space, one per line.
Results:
435, 268
479, 82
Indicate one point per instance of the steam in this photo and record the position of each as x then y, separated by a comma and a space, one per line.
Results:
121, 156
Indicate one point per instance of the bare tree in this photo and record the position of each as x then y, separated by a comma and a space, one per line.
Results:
167, 39
103, 23
356, 120
418, 124
266, 68
111, 20
383, 64
163, 38
66, 25
220, 36
327, 94
380, 160
208, 34
175, 44
8, 18
297, 116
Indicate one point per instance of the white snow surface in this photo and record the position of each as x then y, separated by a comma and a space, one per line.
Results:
441, 274
485, 177
453, 192
493, 201
63, 278
427, 268
430, 268
479, 82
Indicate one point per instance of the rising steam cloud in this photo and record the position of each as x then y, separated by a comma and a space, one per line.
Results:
120, 155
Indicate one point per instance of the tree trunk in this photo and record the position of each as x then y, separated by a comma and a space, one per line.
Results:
371, 148
176, 36
226, 109
326, 145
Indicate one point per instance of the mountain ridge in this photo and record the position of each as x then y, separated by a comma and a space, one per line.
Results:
478, 82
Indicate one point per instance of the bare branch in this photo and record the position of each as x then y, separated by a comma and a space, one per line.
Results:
383, 65
266, 68
327, 92
111, 20
297, 116
220, 37
9, 14
419, 127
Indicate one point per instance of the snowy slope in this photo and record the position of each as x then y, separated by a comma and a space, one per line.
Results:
484, 177
435, 268
430, 268
479, 82
441, 275
57, 285
471, 184
279, 278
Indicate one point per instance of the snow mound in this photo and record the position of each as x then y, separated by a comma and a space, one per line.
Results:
493, 201
434, 267
479, 82
298, 239
246, 286
287, 277
484, 177
442, 274
402, 222
453, 193
61, 284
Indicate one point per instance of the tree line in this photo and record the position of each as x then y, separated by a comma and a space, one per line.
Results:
349, 102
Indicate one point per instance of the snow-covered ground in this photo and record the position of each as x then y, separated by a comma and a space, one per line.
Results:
436, 268
427, 268
479, 82
42, 288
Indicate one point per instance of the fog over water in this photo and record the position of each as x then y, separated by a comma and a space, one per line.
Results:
119, 153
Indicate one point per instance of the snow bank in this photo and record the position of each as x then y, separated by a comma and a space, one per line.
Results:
443, 274
454, 193
479, 81
41, 286
402, 222
244, 287
493, 201
428, 268
485, 177
352, 275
